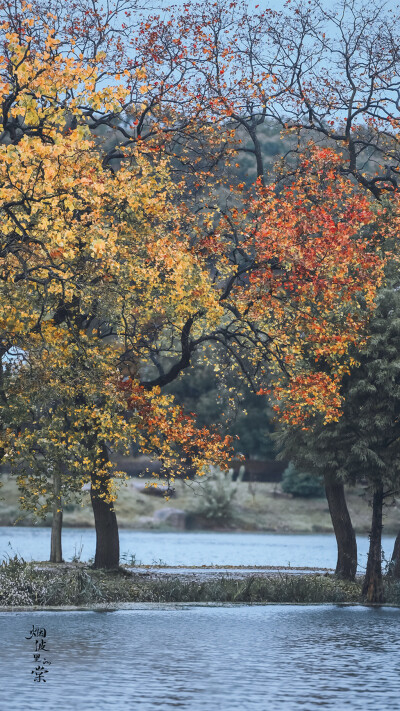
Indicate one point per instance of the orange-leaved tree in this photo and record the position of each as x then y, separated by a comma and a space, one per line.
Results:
324, 241
114, 274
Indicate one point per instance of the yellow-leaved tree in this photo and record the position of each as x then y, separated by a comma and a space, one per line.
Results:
98, 275
116, 267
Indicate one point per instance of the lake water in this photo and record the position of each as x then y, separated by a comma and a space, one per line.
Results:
189, 548
237, 658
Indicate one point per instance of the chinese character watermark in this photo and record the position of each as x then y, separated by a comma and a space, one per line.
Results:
38, 634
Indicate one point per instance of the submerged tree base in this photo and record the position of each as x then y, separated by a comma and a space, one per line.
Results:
29, 584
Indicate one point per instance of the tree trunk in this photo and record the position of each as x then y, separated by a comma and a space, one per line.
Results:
394, 568
373, 585
56, 526
107, 538
346, 566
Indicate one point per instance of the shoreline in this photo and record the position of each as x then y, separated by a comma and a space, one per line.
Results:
127, 606
388, 530
256, 507
42, 585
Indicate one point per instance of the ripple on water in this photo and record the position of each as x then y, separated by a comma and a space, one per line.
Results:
204, 658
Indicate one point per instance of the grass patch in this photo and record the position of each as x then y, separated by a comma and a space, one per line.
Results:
282, 588
392, 591
26, 584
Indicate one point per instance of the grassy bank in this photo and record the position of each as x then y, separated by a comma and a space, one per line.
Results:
255, 507
29, 584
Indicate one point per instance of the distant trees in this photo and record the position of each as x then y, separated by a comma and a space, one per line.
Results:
299, 483
219, 396
326, 73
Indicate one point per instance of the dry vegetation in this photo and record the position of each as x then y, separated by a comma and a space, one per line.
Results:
25, 585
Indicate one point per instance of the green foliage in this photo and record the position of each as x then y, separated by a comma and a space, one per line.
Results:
364, 444
392, 591
216, 498
228, 403
274, 145
130, 560
252, 425
302, 484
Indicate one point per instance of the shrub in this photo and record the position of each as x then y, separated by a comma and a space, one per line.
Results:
217, 494
18, 584
301, 483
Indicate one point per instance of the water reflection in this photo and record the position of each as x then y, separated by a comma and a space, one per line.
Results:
203, 658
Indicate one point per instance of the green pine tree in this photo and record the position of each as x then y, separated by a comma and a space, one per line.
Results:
364, 445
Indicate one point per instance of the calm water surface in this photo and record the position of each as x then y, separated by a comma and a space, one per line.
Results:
205, 659
189, 548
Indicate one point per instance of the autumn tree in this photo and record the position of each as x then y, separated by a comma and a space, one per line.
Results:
319, 71
73, 300
117, 273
